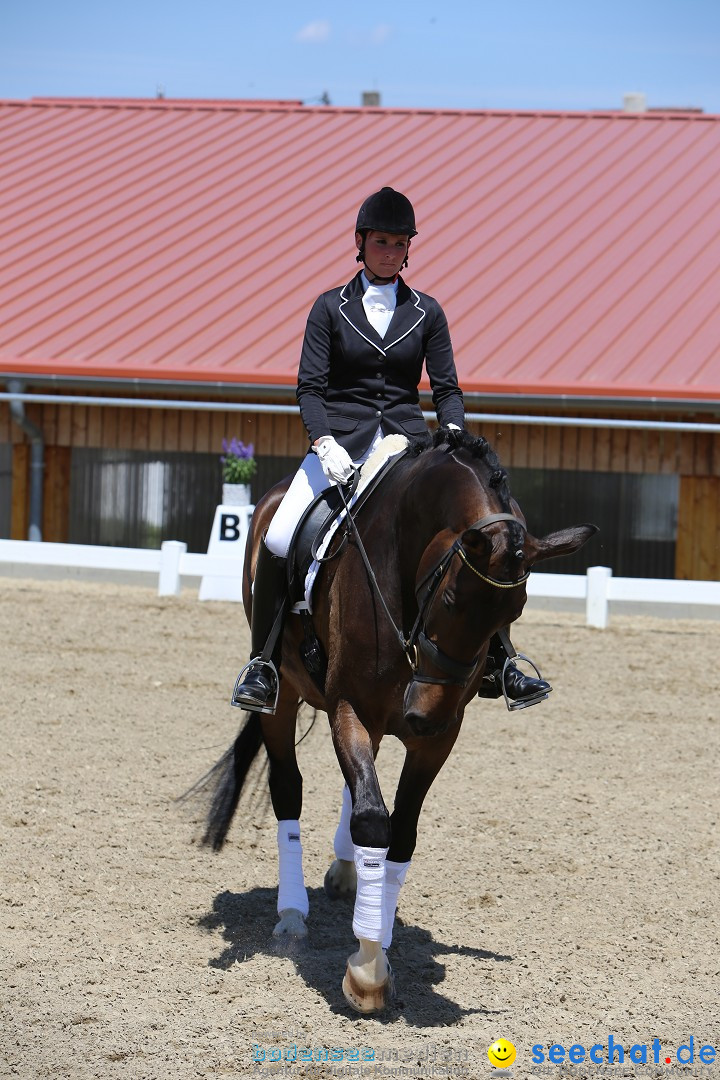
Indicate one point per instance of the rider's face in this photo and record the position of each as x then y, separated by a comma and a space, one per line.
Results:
384, 252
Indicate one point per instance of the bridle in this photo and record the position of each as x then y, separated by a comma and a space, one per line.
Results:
417, 642
459, 673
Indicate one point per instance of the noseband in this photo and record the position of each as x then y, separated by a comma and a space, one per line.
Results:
459, 674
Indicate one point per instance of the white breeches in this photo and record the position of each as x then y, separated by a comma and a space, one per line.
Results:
306, 485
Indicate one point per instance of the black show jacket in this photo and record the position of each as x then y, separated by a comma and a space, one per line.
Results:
351, 381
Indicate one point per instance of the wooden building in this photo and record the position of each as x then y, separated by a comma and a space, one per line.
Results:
159, 259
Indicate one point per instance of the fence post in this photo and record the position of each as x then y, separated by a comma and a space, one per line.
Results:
596, 601
171, 552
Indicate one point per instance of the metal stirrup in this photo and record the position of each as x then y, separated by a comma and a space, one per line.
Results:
255, 662
532, 699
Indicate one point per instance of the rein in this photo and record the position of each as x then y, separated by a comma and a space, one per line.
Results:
417, 641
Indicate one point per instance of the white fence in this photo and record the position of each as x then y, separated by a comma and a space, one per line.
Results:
598, 588
171, 563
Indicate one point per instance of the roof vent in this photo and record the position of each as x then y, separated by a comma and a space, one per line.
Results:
635, 102
371, 98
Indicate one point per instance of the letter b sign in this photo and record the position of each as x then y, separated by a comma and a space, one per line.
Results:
229, 527
227, 542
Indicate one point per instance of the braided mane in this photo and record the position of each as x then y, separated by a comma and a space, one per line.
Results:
477, 447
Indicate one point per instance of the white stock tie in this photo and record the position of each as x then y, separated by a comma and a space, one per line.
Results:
379, 303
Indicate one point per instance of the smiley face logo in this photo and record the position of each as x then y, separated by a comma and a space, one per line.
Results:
502, 1053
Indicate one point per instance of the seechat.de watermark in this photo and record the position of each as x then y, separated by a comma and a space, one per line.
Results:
693, 1051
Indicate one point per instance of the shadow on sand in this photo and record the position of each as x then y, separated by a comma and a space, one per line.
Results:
246, 921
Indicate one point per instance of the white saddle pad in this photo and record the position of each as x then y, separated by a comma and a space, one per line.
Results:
390, 446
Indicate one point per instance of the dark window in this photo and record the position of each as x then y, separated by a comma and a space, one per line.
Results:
636, 515
138, 499
5, 489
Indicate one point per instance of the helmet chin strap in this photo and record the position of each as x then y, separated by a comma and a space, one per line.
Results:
375, 280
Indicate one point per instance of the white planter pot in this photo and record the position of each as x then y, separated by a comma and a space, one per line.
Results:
236, 494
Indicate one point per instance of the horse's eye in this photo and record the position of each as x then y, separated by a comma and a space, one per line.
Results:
448, 598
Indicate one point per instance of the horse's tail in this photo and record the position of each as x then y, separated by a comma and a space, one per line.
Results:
228, 776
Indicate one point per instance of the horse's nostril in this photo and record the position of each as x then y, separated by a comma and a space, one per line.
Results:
416, 722
422, 725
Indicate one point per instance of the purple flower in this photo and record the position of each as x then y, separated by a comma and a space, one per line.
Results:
238, 449
238, 461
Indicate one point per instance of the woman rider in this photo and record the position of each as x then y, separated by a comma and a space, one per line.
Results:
360, 367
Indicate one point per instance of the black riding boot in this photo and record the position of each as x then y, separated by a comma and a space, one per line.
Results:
523, 690
258, 690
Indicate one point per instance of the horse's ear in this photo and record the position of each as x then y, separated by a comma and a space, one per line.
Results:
563, 542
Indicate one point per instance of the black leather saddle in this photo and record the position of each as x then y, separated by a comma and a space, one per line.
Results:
307, 540
317, 520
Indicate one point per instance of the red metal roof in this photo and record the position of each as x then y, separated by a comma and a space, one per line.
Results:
574, 253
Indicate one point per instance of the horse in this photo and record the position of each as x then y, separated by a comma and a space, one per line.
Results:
433, 564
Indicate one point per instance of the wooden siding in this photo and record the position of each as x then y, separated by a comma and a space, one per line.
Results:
520, 446
697, 555
125, 428
56, 494
695, 457
20, 504
602, 449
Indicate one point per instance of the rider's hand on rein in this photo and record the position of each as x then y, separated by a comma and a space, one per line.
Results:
335, 461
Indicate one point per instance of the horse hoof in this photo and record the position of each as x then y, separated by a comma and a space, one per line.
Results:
291, 925
341, 880
368, 999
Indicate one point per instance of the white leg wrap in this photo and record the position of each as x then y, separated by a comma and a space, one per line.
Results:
394, 878
344, 847
291, 890
369, 912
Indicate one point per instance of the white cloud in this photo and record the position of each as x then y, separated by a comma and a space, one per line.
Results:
381, 33
378, 34
314, 32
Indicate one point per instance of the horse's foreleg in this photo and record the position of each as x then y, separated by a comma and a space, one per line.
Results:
285, 783
422, 764
369, 819
367, 985
420, 769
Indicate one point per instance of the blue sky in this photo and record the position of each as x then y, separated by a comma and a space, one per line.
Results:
535, 54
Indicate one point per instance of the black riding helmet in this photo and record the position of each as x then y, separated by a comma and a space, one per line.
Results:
386, 211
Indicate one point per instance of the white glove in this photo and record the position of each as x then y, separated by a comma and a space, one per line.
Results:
335, 461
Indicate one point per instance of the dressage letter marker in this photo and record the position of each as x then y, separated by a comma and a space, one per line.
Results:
229, 527
227, 541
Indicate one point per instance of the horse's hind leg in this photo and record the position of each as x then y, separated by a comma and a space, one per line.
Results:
341, 878
285, 784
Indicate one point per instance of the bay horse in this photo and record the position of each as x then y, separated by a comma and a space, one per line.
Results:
440, 547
